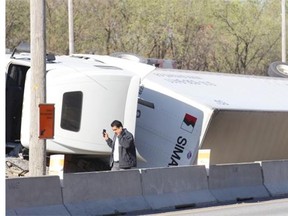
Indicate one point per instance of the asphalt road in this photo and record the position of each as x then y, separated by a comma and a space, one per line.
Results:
274, 207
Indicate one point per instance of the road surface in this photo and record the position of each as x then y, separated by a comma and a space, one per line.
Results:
276, 207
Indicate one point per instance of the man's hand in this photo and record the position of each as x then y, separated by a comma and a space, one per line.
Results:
105, 135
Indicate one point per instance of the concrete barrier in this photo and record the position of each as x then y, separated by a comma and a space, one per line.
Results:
116, 192
275, 175
236, 182
34, 196
98, 193
184, 186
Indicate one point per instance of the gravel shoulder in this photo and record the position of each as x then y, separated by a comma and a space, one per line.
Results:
16, 167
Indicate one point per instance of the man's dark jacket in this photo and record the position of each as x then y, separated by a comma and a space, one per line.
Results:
127, 151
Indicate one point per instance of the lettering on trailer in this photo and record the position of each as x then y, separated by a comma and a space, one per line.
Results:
187, 125
178, 149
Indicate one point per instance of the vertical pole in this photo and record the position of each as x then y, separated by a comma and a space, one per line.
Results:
71, 27
37, 147
283, 31
2, 92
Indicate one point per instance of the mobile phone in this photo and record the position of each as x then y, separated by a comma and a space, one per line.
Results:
104, 131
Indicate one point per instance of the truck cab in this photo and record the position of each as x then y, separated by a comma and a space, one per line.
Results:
87, 97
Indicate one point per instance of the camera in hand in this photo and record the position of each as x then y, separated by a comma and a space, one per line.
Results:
104, 131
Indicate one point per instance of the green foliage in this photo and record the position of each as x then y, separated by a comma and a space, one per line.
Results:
57, 26
245, 34
234, 36
17, 22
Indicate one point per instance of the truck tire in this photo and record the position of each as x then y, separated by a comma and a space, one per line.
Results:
278, 69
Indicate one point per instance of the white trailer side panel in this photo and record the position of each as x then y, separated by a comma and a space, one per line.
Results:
247, 136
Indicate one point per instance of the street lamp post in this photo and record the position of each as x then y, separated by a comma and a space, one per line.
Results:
71, 27
283, 31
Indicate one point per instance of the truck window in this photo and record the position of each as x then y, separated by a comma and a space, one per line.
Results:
71, 111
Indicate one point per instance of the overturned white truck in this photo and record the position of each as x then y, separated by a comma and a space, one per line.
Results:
240, 118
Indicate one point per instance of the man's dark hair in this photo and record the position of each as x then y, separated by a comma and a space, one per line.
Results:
116, 123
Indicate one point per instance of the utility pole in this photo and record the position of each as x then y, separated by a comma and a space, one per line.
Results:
71, 27
283, 31
37, 147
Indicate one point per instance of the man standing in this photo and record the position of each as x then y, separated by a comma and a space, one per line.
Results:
123, 147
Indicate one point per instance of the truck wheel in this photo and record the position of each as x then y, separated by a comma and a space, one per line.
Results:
278, 69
